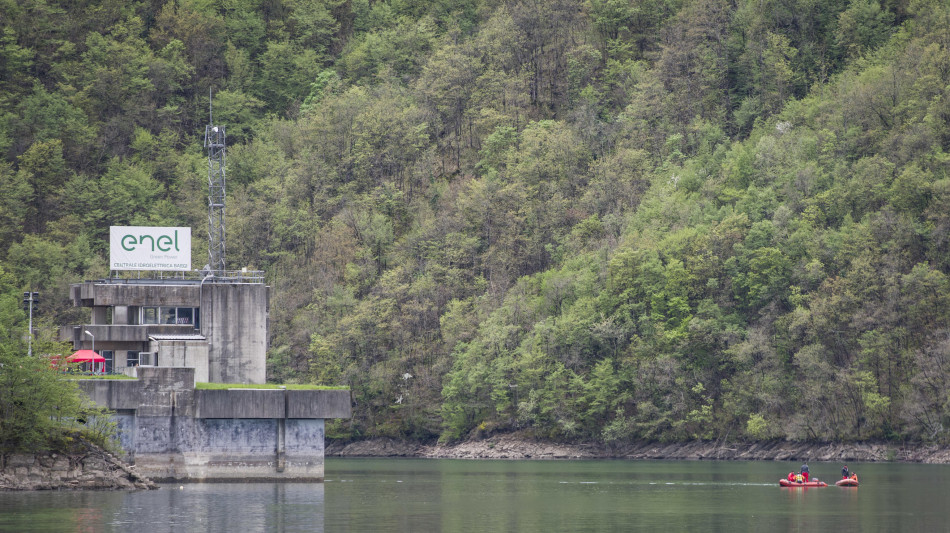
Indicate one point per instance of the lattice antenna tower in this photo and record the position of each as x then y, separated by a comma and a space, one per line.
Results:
214, 142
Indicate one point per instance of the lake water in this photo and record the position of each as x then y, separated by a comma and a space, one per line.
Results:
362, 495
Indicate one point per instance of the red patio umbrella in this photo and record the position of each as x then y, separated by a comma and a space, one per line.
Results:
86, 356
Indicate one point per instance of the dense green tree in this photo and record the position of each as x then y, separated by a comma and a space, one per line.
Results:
39, 406
43, 172
587, 219
862, 27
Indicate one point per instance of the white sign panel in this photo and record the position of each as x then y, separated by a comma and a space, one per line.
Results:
149, 248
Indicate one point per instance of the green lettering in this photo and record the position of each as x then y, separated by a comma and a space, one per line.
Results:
149, 237
124, 247
166, 241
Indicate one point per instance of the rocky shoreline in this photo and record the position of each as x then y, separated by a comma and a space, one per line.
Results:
85, 467
89, 467
513, 446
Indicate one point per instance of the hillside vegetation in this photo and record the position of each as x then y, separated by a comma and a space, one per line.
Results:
598, 220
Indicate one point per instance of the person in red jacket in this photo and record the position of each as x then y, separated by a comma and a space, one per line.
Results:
805, 471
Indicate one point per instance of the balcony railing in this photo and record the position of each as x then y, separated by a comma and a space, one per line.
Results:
188, 276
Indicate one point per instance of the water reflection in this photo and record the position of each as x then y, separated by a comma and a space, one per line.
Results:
237, 507
227, 507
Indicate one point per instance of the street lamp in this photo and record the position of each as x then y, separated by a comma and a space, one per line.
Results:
93, 347
30, 298
93, 340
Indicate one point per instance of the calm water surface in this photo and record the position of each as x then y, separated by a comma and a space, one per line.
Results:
524, 496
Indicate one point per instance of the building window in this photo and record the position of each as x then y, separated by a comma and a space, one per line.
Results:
170, 315
109, 356
150, 315
132, 358
185, 315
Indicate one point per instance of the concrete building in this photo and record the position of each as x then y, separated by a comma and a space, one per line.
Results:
217, 326
169, 333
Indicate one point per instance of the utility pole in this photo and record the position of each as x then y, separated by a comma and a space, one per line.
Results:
29, 298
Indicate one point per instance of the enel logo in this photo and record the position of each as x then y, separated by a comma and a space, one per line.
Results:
162, 243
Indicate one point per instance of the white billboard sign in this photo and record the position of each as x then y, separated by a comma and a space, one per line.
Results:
149, 248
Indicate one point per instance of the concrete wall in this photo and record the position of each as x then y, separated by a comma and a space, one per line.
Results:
171, 431
271, 403
234, 320
109, 294
183, 353
106, 334
319, 404
215, 449
114, 394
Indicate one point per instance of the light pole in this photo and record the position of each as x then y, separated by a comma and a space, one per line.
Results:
93, 348
93, 340
29, 298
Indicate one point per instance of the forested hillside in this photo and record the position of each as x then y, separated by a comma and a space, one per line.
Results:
597, 220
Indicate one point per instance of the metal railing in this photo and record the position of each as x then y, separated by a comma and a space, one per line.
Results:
188, 276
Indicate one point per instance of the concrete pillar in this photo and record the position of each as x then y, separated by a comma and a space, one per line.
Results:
234, 320
120, 315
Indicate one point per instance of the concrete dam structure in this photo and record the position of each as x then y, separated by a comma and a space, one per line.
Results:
171, 431
168, 333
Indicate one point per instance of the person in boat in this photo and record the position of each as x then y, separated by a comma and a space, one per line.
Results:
791, 477
805, 471
854, 476
799, 478
845, 474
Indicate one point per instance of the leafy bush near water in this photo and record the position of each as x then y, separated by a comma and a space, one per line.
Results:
41, 408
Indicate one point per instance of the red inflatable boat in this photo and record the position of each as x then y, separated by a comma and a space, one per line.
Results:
849, 482
813, 483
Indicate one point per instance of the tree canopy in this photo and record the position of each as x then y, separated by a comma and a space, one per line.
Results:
589, 219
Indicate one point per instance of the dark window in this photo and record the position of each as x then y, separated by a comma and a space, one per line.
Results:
132, 358
185, 315
170, 315
109, 356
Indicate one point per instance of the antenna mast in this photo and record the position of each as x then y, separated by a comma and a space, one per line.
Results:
214, 142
